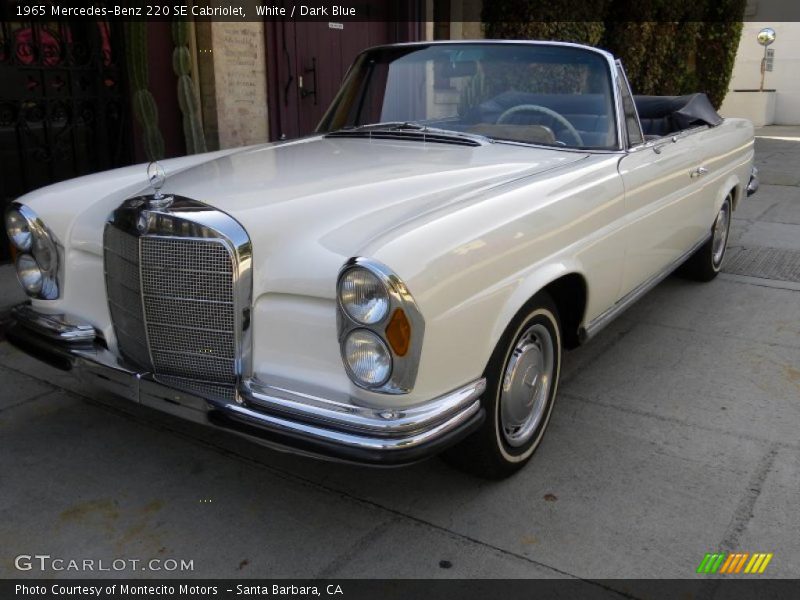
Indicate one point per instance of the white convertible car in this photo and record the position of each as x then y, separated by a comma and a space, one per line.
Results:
404, 281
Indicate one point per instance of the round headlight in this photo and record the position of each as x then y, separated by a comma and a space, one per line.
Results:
19, 230
363, 296
29, 274
44, 252
367, 357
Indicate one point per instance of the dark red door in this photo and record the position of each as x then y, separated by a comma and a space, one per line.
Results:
308, 61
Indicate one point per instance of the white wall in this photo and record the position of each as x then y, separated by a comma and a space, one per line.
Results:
459, 29
240, 72
785, 76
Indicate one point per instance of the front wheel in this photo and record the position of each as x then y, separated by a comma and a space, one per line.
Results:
704, 265
521, 383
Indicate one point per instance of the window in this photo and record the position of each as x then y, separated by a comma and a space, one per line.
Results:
546, 94
632, 125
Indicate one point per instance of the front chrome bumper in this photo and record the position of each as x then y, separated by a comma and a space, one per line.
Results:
270, 413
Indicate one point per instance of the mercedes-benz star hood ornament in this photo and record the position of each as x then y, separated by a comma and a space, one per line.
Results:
157, 176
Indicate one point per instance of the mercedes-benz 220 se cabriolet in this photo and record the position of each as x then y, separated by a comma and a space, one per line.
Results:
404, 281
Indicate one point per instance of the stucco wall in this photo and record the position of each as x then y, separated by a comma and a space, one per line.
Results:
464, 19
240, 77
785, 77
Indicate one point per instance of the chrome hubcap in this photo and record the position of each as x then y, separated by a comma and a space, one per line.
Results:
526, 385
721, 234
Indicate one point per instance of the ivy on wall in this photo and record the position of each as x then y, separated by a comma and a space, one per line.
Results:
668, 47
511, 19
717, 52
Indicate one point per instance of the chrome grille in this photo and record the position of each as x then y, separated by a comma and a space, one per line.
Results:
187, 268
172, 305
207, 343
207, 368
205, 389
177, 272
195, 315
121, 252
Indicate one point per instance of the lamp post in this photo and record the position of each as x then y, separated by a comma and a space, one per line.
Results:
765, 37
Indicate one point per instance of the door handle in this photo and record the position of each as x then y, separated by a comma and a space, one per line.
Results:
698, 172
304, 92
290, 77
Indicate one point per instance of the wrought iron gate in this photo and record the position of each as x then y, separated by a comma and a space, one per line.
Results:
62, 104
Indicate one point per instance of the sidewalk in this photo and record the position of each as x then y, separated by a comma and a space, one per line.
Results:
765, 232
778, 154
11, 293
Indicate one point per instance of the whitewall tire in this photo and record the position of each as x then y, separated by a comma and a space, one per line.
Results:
705, 264
521, 384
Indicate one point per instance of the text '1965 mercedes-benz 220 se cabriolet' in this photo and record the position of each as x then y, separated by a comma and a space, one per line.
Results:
404, 281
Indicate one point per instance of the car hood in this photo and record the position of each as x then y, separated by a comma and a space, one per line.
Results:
310, 204
349, 179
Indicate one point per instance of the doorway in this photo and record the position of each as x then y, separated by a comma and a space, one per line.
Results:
308, 60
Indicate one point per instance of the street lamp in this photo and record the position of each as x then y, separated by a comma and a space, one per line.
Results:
765, 37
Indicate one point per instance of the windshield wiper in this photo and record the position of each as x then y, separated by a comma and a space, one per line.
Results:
391, 125
412, 127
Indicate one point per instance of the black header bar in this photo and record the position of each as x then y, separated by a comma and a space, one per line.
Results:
706, 587
343, 11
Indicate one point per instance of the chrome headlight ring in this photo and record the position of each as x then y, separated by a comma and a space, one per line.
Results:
363, 296
372, 301
37, 262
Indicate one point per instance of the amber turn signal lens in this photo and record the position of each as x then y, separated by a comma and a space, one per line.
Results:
398, 332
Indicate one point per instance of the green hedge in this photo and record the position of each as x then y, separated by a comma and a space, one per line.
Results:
715, 55
668, 47
512, 19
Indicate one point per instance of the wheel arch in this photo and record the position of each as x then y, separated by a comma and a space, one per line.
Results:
570, 294
569, 291
731, 185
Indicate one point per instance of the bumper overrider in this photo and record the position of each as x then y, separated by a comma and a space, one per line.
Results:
268, 413
753, 183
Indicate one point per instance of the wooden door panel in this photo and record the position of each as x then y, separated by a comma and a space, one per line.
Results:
295, 48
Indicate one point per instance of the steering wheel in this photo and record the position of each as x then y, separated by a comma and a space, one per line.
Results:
545, 111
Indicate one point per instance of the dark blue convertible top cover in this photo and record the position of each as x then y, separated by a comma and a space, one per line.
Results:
662, 115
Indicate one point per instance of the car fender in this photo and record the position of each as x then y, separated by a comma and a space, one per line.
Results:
537, 279
730, 183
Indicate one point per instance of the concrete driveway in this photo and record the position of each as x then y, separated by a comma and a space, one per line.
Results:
676, 434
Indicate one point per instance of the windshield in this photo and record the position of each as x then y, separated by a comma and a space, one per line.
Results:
540, 94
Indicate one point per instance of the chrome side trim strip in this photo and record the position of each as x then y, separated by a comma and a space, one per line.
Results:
672, 138
590, 330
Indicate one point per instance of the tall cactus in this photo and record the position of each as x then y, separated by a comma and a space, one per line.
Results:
187, 99
144, 105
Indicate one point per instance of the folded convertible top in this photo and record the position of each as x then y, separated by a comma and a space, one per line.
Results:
675, 112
